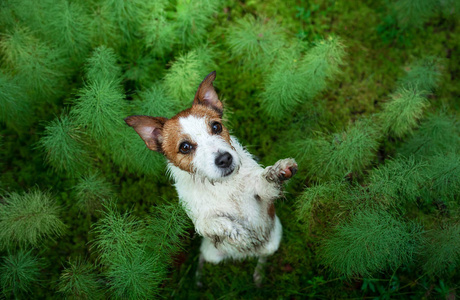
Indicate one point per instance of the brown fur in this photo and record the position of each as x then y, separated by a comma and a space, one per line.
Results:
271, 211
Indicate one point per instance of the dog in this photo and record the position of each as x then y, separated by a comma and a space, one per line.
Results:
228, 196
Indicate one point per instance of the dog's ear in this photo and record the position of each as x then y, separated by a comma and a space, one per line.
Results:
206, 94
150, 129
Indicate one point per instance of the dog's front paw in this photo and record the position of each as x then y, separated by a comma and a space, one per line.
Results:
282, 170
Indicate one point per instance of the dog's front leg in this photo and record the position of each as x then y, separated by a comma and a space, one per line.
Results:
272, 178
224, 227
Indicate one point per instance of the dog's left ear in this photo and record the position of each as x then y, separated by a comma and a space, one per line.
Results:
206, 94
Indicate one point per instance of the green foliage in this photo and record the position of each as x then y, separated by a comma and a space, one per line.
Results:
445, 177
399, 180
18, 272
192, 18
117, 235
255, 41
442, 249
370, 242
41, 70
64, 146
293, 79
99, 105
337, 155
317, 195
99, 108
415, 13
438, 133
92, 191
102, 66
158, 30
13, 103
185, 74
67, 26
28, 218
424, 75
401, 114
155, 102
79, 281
284, 87
321, 63
135, 253
166, 227
136, 276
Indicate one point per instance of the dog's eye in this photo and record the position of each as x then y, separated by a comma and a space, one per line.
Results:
185, 147
216, 128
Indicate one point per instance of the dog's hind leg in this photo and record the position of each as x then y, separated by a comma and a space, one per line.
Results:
259, 270
199, 270
208, 253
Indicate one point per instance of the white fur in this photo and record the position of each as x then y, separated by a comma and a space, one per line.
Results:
227, 213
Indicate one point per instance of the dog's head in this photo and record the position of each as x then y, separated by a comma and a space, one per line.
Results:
195, 140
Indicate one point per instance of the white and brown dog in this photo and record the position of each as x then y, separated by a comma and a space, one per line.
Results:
229, 197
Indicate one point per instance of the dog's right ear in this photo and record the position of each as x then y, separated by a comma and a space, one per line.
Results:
150, 129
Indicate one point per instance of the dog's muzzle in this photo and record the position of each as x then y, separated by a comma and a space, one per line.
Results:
224, 162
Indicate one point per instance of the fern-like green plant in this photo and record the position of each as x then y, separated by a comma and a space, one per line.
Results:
166, 227
438, 133
284, 87
293, 79
117, 235
370, 242
66, 25
184, 76
42, 70
154, 101
103, 26
317, 195
64, 147
121, 19
445, 177
136, 253
321, 63
442, 249
136, 276
401, 114
18, 272
192, 18
28, 218
399, 180
92, 191
255, 41
337, 155
415, 13
79, 281
102, 66
424, 74
159, 30
99, 107
13, 102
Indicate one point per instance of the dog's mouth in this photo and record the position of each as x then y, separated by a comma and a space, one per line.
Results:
231, 170
228, 172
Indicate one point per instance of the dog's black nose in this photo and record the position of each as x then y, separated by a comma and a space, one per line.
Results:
224, 160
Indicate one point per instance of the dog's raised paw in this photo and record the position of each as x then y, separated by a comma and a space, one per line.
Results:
282, 170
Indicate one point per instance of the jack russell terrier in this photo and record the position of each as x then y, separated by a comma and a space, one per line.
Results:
225, 192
